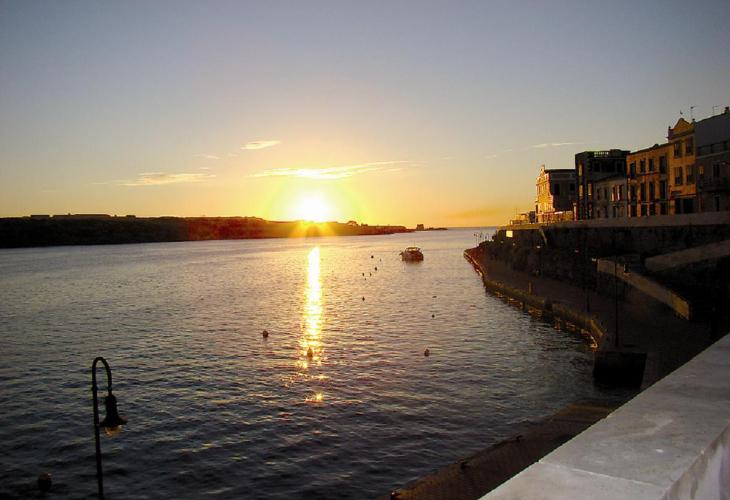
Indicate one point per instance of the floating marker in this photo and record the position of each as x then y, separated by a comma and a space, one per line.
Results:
433, 315
363, 298
427, 353
265, 334
310, 353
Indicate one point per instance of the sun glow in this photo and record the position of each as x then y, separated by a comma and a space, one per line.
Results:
313, 208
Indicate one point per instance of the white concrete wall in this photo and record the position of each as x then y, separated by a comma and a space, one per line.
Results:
671, 441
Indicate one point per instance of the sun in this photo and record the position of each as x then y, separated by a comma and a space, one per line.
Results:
312, 208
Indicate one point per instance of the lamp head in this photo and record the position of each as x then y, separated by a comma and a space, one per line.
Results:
113, 422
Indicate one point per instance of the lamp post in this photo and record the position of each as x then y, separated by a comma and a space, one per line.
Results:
112, 423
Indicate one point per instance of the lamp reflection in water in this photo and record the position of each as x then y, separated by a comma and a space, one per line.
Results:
112, 422
310, 343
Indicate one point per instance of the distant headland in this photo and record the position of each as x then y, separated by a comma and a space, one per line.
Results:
101, 229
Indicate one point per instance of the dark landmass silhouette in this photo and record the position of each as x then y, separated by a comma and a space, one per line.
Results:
101, 229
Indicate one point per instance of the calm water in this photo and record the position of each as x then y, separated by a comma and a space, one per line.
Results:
217, 411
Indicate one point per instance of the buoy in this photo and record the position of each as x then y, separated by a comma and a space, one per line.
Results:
363, 298
376, 268
363, 274
265, 334
433, 315
372, 256
433, 297
370, 274
427, 353
310, 354
45, 481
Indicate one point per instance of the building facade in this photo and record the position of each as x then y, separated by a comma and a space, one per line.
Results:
647, 181
682, 175
593, 166
556, 194
712, 136
609, 197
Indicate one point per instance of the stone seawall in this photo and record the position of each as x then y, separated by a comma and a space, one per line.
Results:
549, 309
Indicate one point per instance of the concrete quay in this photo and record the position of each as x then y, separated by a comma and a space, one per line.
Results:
672, 441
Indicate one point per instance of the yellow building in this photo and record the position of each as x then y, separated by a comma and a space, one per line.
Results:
647, 174
556, 194
682, 175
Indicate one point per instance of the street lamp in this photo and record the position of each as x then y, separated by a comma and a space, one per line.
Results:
112, 423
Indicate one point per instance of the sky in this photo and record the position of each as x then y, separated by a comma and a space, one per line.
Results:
385, 112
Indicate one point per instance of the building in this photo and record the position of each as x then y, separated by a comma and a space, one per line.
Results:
592, 166
682, 175
712, 136
556, 194
609, 197
647, 187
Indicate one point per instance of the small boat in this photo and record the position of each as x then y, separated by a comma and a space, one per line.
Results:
412, 254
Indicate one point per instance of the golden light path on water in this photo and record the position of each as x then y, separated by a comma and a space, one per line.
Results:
311, 349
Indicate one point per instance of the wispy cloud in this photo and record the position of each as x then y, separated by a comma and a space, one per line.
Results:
330, 173
161, 178
208, 157
253, 145
554, 144
491, 157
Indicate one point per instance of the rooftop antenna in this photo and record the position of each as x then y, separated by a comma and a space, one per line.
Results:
691, 114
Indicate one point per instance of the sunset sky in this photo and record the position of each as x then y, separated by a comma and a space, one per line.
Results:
383, 112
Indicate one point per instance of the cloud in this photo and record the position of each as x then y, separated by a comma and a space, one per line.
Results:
161, 178
208, 157
330, 173
259, 144
554, 144
491, 157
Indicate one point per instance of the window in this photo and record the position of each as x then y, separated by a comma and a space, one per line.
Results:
662, 190
580, 170
633, 211
642, 166
651, 164
642, 190
652, 209
651, 192
690, 174
572, 187
621, 192
643, 210
689, 146
678, 176
633, 192
678, 149
663, 164
715, 170
598, 193
632, 169
663, 208
605, 193
613, 196
701, 173
580, 191
556, 189
590, 189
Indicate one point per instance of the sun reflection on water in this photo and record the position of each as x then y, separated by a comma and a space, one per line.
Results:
311, 350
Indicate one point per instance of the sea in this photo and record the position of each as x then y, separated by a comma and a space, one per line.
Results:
339, 401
